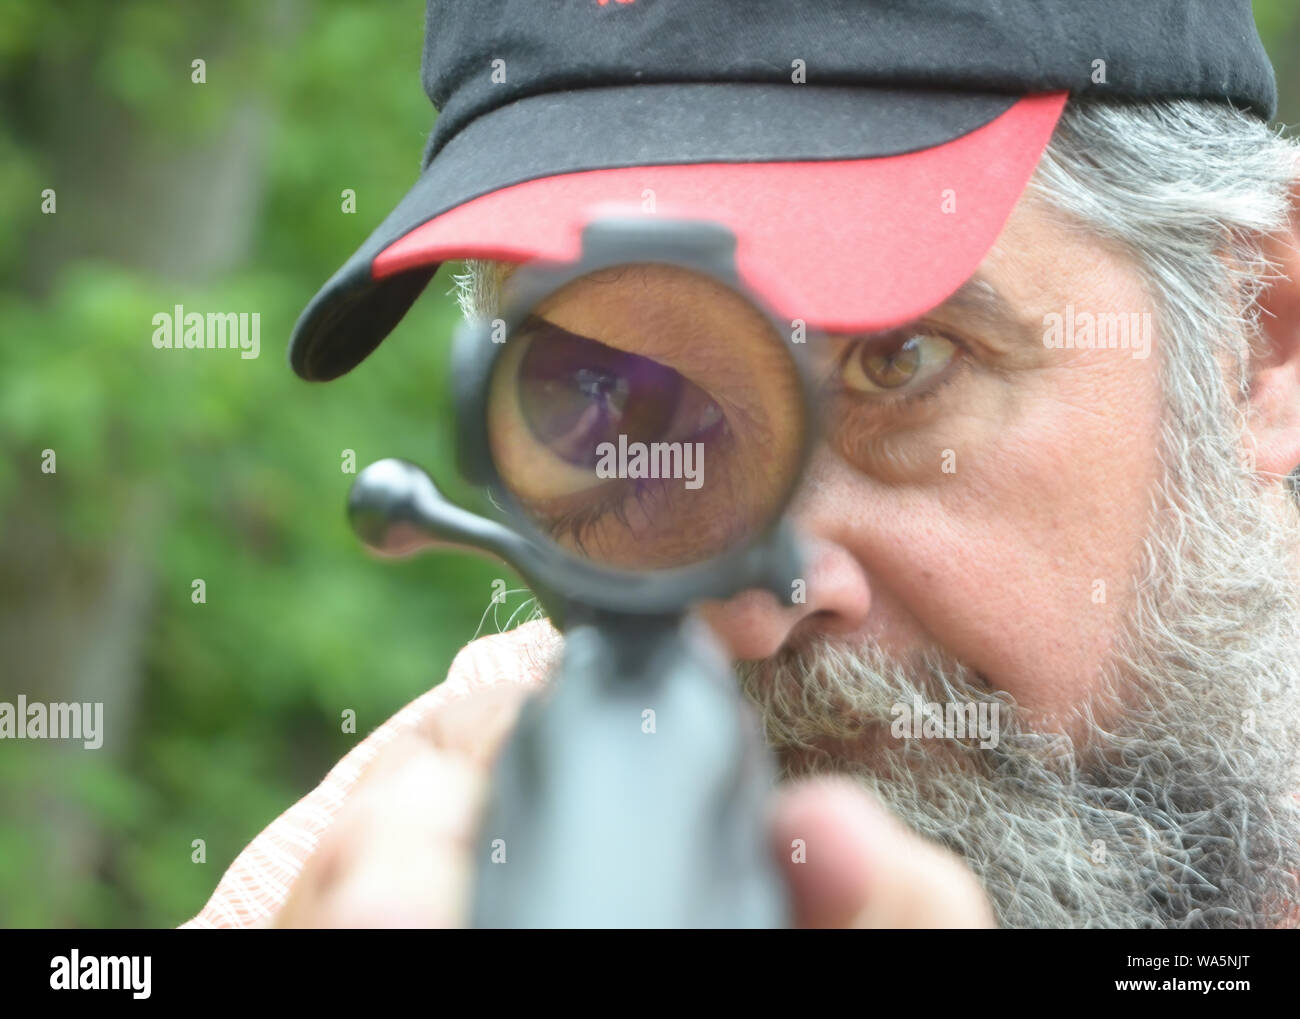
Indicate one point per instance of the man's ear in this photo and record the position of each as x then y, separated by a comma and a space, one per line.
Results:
1275, 372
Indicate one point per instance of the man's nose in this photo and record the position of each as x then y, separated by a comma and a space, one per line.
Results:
836, 589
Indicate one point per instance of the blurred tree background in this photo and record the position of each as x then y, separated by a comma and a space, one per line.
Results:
171, 467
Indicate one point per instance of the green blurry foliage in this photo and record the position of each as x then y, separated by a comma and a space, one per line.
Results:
200, 463
235, 464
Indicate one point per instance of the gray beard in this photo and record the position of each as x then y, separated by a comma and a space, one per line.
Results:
1181, 812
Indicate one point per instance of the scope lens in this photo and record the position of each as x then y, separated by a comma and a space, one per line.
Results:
647, 416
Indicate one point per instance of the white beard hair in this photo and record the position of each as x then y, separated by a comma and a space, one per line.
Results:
1182, 814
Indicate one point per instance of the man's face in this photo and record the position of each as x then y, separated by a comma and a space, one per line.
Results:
1001, 518
992, 502
992, 520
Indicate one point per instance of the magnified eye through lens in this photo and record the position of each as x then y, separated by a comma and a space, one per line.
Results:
647, 416
576, 395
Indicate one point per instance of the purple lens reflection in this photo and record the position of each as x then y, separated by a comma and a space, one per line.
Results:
576, 394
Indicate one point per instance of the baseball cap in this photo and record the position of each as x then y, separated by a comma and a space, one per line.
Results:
894, 136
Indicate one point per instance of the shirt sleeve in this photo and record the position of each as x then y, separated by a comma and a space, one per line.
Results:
257, 883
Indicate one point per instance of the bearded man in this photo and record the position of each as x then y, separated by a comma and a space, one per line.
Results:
1096, 544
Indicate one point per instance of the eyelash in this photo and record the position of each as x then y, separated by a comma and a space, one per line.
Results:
578, 523
879, 401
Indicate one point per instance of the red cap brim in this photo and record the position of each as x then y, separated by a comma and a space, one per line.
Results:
846, 245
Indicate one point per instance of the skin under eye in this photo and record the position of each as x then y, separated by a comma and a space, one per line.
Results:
901, 364
887, 394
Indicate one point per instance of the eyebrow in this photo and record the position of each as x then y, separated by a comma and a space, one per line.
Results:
979, 298
999, 323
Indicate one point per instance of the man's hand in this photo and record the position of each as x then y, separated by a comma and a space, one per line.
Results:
399, 852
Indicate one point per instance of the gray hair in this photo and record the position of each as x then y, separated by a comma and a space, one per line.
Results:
1191, 792
1188, 188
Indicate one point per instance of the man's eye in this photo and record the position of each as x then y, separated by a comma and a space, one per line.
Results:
896, 365
667, 434
576, 395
